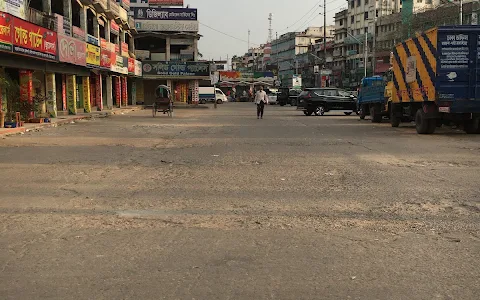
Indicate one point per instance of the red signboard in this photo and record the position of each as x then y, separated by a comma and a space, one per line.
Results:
71, 50
5, 32
105, 59
114, 27
32, 40
103, 44
118, 93
124, 49
124, 91
131, 66
78, 33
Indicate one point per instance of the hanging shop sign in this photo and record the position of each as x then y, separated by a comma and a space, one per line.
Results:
71, 50
138, 68
166, 25
176, 69
166, 2
124, 47
184, 14
114, 28
78, 33
13, 7
131, 66
5, 32
32, 40
93, 56
92, 40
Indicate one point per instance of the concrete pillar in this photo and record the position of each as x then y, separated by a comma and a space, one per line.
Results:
109, 92
96, 28
98, 91
133, 92
195, 49
107, 31
167, 50
125, 91
86, 94
118, 91
26, 89
67, 11
47, 6
83, 21
131, 44
51, 93
72, 94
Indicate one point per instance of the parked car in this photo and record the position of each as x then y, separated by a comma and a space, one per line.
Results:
293, 96
322, 100
272, 97
212, 94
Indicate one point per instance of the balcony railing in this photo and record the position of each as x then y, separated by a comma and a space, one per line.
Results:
41, 19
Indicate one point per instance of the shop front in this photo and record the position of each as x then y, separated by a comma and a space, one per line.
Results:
181, 77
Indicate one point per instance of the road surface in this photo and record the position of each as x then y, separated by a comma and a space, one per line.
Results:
215, 204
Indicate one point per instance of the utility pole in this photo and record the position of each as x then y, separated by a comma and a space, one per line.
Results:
325, 31
248, 41
365, 59
461, 12
270, 30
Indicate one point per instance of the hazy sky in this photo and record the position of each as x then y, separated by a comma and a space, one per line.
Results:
235, 17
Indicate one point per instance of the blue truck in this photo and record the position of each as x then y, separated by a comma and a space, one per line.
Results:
373, 98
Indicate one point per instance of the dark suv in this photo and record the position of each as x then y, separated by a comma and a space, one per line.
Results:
321, 100
287, 96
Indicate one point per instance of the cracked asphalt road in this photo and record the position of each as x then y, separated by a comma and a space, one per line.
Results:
215, 204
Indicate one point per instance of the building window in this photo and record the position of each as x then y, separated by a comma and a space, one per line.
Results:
352, 4
365, 15
376, 13
365, 30
366, 2
341, 22
359, 2
358, 31
352, 19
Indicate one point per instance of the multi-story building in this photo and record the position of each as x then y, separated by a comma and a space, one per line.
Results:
286, 48
167, 42
340, 49
359, 36
77, 55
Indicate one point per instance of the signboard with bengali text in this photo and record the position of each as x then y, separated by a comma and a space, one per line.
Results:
176, 69
5, 32
71, 50
165, 13
93, 55
32, 40
166, 25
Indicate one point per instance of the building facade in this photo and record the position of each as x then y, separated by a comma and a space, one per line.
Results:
66, 56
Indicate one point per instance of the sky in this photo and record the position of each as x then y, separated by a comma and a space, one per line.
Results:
236, 17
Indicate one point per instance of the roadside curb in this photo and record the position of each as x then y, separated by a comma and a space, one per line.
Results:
66, 120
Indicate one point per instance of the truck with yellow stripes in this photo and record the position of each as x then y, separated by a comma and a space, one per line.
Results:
436, 79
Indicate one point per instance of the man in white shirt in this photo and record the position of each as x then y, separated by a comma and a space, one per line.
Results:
261, 99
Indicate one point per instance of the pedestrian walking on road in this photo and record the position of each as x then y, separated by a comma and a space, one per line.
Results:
261, 99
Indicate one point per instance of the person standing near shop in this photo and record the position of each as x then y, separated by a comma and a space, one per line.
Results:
261, 99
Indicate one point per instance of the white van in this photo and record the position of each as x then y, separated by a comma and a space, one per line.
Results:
211, 94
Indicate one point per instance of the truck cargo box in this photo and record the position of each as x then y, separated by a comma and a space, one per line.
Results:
440, 65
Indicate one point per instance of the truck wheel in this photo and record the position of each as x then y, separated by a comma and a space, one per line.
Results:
219, 101
424, 125
363, 112
376, 118
320, 110
394, 120
472, 126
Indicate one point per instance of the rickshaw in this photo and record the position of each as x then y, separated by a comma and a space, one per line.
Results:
163, 101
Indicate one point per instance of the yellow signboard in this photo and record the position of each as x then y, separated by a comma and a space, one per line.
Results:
93, 55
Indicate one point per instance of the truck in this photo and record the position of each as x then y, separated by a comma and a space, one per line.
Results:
435, 79
210, 94
373, 98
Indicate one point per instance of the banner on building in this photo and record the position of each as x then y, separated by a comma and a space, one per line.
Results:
105, 59
5, 32
166, 25
51, 93
98, 91
131, 66
117, 65
118, 92
138, 68
32, 40
71, 50
72, 94
234, 76
124, 47
114, 28
92, 40
13, 7
78, 33
86, 94
167, 69
182, 14
93, 56
124, 91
